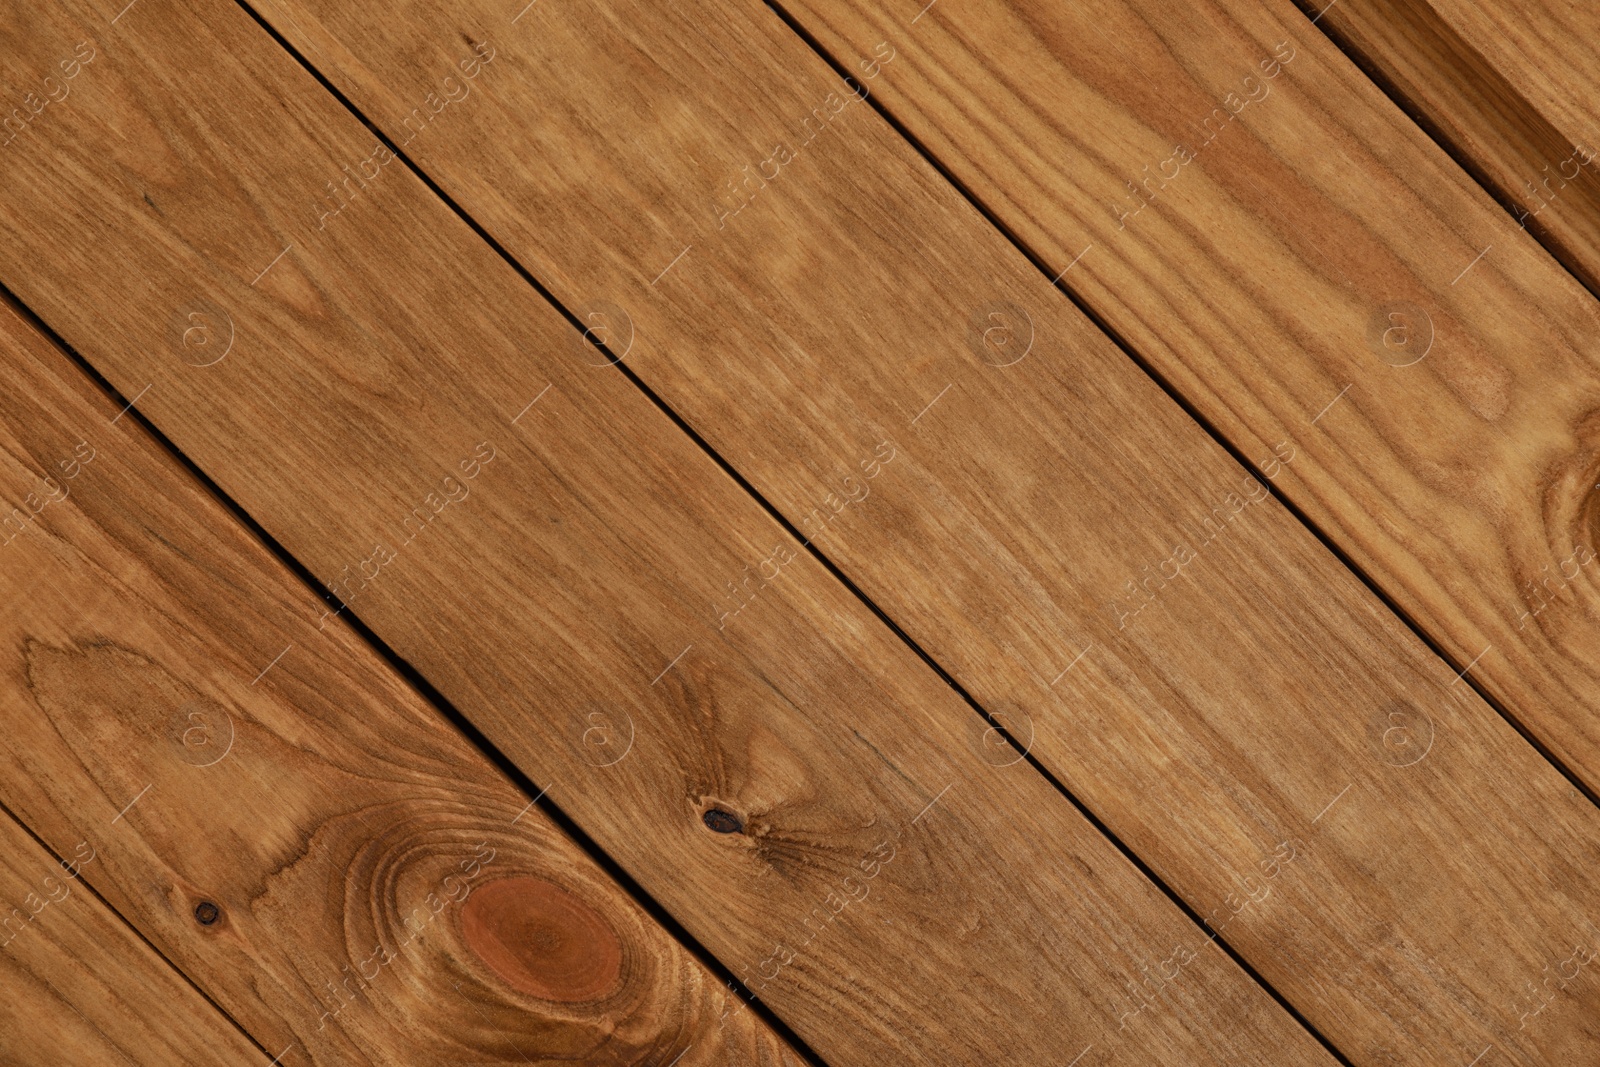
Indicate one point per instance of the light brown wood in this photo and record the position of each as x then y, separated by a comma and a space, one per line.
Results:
808, 798
799, 287
1545, 48
1508, 92
317, 847
77, 986
1320, 281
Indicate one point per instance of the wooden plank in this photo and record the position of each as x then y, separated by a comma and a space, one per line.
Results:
800, 287
811, 801
79, 987
324, 853
1508, 92
1547, 50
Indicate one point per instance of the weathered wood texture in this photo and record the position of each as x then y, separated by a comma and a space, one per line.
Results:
420, 428
780, 267
315, 845
1508, 89
77, 986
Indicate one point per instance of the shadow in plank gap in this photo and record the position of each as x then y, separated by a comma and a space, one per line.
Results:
1507, 94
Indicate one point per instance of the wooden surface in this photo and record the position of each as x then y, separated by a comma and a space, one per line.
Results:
77, 986
1508, 90
315, 846
811, 801
1464, 483
705, 700
1547, 50
1442, 412
1238, 689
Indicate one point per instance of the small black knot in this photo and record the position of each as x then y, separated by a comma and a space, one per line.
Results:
722, 822
206, 913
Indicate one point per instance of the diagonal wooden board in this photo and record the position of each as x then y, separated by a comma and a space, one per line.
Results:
1508, 89
1548, 50
1328, 277
422, 430
317, 847
77, 986
776, 263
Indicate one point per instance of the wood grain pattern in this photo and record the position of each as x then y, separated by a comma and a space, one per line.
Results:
1445, 412
808, 798
317, 847
1509, 92
1546, 48
1054, 532
77, 986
